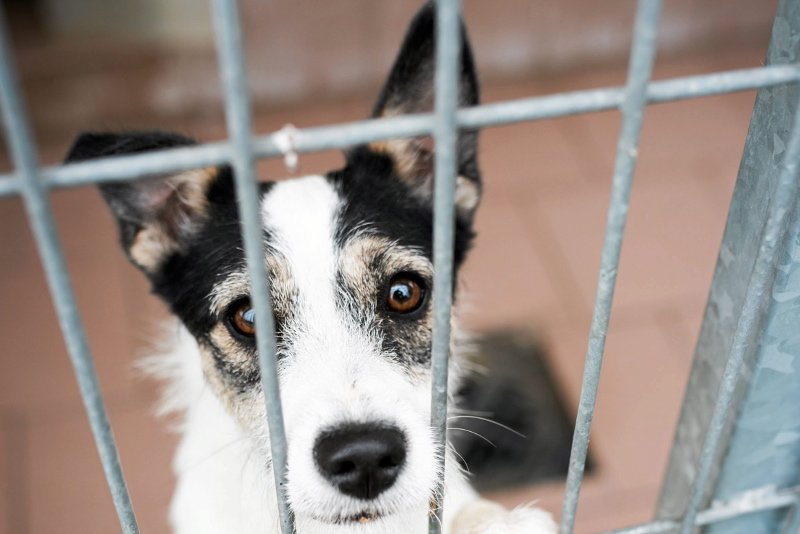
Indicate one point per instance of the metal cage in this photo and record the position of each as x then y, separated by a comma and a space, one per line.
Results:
710, 461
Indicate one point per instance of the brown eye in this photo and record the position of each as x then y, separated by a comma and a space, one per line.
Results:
242, 318
406, 293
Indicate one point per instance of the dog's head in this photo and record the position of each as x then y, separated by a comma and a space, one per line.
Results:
349, 257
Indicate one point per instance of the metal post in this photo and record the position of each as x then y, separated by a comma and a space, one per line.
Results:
643, 51
754, 319
237, 113
40, 214
745, 325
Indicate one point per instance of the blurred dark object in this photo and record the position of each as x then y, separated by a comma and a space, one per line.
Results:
528, 434
26, 21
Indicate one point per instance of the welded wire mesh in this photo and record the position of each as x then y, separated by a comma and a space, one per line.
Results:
34, 183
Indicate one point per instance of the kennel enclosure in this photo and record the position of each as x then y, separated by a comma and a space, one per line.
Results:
735, 463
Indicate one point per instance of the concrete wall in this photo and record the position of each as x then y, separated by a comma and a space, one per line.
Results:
166, 21
115, 61
302, 47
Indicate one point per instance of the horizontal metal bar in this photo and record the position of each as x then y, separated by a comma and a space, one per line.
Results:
9, 186
122, 168
228, 34
656, 527
353, 133
716, 83
593, 100
643, 53
749, 502
40, 215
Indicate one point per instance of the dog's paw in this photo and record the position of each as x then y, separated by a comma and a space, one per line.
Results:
485, 517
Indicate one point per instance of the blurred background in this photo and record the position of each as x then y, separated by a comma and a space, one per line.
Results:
113, 64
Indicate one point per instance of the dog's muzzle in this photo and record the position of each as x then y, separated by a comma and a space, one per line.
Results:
361, 460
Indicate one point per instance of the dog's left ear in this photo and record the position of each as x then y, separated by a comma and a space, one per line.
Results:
410, 89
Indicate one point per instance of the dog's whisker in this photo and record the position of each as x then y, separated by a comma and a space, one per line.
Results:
484, 438
461, 457
501, 425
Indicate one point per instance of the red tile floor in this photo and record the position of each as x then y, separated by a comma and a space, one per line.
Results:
535, 265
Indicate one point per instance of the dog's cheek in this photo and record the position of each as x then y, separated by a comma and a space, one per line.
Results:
408, 341
232, 374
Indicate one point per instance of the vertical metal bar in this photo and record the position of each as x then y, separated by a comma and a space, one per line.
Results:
643, 51
792, 525
228, 37
758, 289
448, 61
37, 204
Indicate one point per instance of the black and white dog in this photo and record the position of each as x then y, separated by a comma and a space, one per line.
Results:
349, 261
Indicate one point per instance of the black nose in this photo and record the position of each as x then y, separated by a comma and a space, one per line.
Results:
362, 461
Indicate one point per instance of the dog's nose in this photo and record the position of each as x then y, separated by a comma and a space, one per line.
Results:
361, 460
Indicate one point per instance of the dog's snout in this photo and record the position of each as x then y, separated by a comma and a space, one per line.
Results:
362, 461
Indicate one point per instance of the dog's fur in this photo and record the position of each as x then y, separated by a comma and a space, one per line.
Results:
333, 243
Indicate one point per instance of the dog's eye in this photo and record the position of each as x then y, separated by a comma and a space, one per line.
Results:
242, 318
406, 293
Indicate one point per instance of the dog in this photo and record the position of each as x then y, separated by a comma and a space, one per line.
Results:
349, 257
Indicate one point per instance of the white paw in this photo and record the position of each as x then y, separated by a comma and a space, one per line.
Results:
485, 517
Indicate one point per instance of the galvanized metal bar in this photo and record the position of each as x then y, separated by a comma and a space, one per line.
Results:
445, 135
10, 186
654, 527
717, 83
357, 132
643, 52
228, 37
134, 166
592, 100
792, 525
758, 176
745, 503
40, 215
763, 445
748, 502
758, 290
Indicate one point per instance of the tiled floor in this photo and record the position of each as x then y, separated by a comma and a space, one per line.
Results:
535, 263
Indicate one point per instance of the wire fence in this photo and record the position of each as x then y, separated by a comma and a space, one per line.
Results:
35, 183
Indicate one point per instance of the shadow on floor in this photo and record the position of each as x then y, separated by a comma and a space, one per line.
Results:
515, 428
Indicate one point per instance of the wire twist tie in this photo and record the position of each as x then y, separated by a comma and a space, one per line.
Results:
286, 139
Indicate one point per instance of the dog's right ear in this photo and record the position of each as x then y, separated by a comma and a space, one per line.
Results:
158, 215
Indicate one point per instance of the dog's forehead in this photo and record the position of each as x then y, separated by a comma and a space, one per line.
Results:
299, 217
312, 238
312, 221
